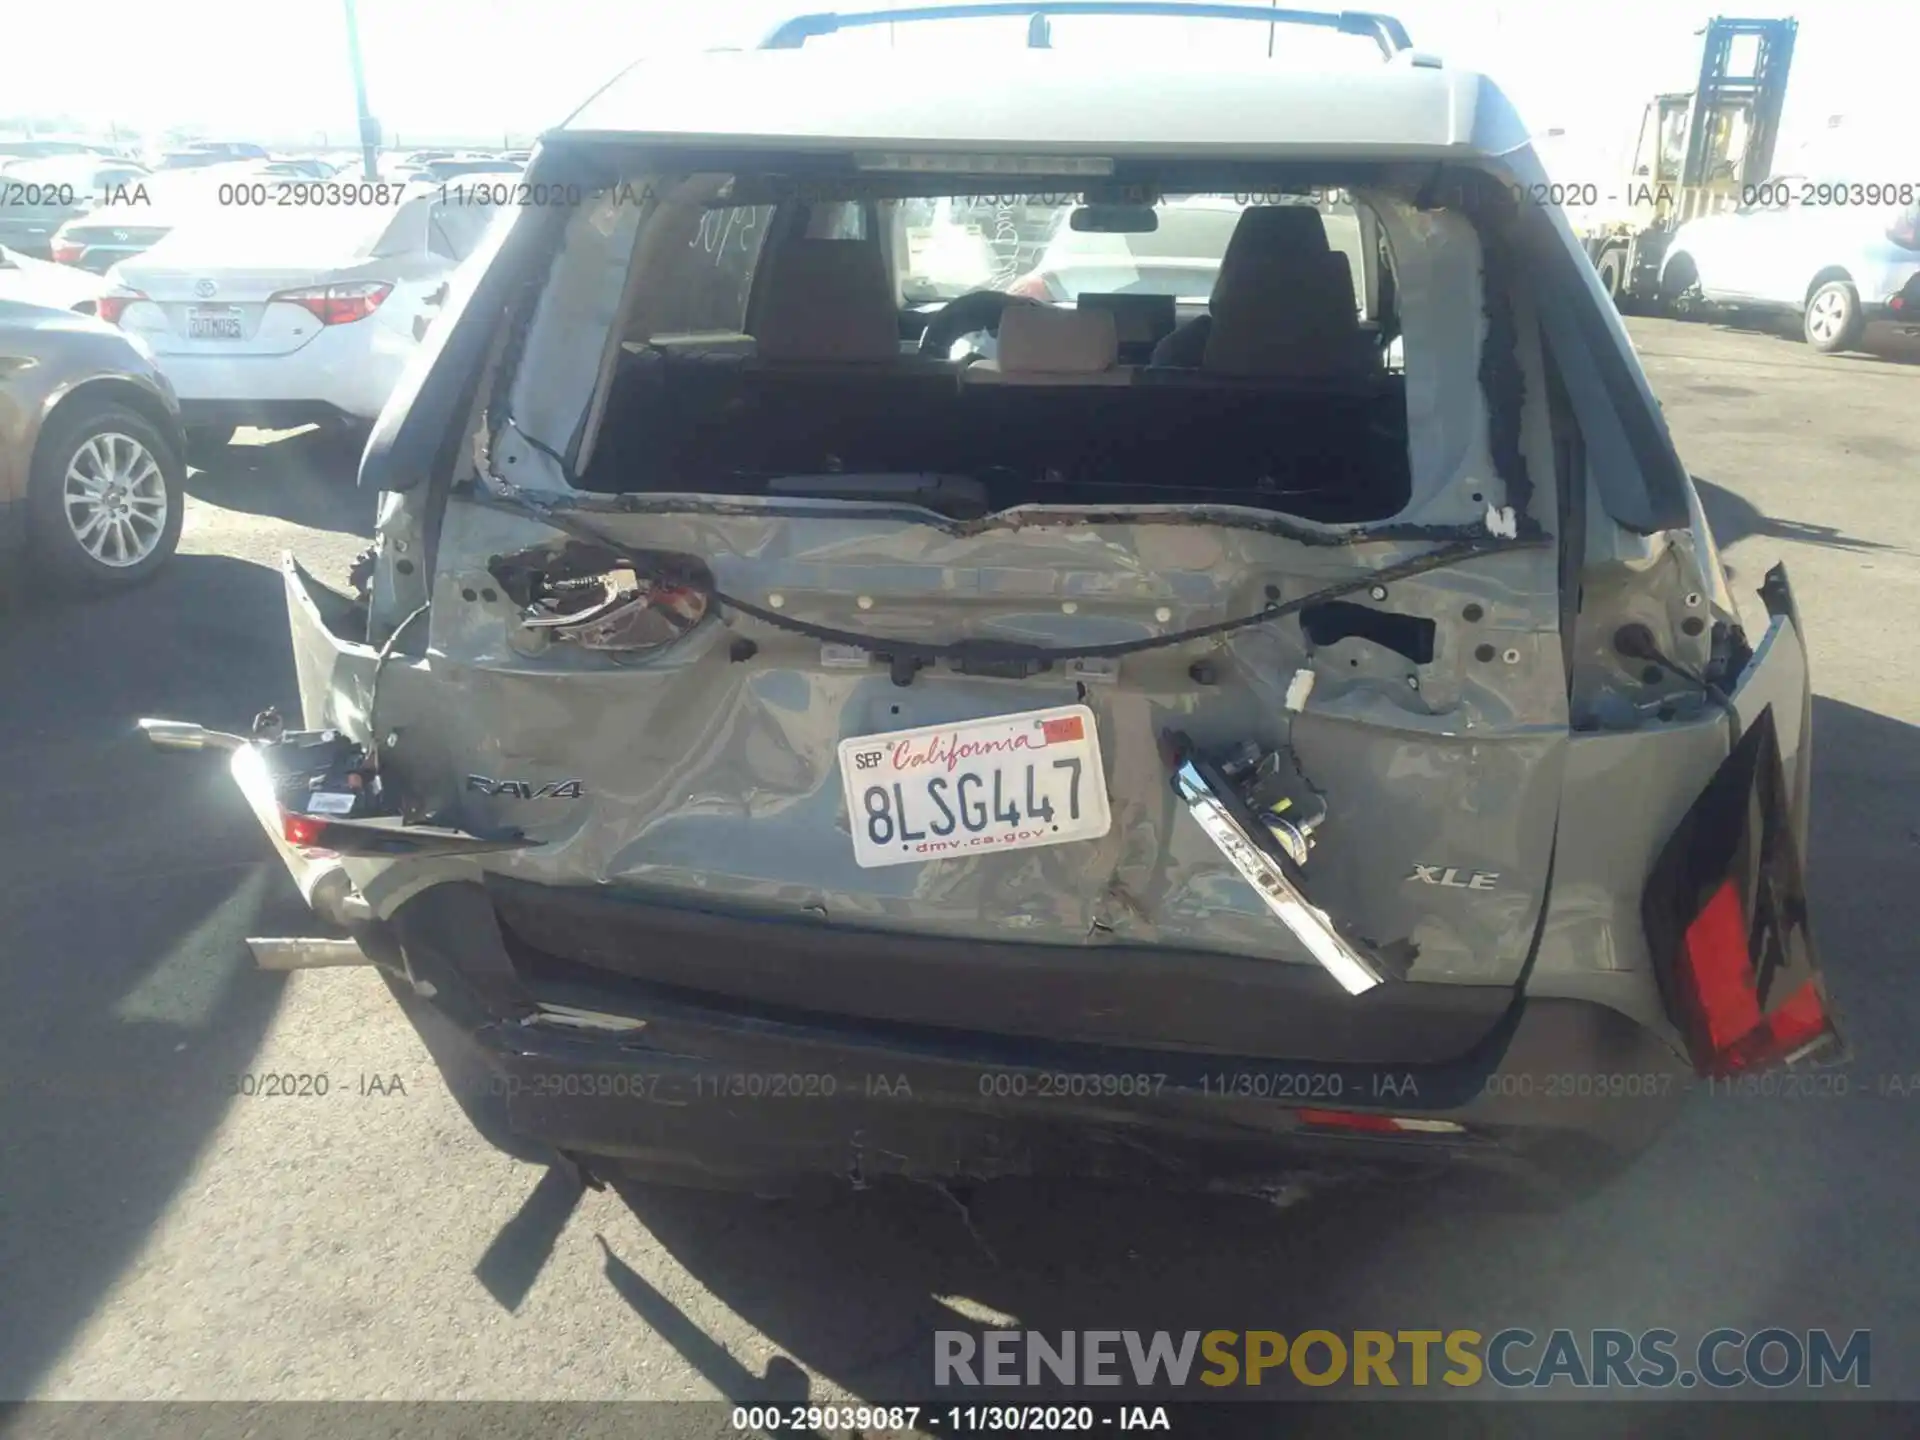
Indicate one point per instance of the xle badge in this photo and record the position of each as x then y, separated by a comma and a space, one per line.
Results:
1449, 878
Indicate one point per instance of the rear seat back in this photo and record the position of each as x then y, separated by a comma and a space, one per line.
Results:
823, 388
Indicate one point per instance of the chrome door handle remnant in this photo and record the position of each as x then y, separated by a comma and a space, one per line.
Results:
1355, 972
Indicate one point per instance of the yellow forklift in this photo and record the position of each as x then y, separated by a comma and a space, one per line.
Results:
1697, 151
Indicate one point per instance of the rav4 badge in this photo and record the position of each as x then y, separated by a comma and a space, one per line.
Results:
526, 790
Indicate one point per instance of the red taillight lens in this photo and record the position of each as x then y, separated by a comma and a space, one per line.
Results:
1719, 984
1031, 286
302, 829
67, 254
338, 304
111, 307
1719, 972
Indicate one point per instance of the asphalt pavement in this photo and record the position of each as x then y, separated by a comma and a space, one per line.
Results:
165, 1235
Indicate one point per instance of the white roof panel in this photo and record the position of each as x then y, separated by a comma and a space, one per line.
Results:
1044, 101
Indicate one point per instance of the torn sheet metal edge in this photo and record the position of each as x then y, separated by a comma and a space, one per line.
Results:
1355, 972
504, 494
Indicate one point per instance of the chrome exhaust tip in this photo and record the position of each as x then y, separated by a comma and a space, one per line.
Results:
185, 735
306, 954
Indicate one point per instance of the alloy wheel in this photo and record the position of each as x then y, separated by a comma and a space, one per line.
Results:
115, 499
1827, 316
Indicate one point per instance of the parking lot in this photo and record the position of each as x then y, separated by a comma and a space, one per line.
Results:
167, 1237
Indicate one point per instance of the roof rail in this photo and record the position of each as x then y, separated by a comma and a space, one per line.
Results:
1384, 30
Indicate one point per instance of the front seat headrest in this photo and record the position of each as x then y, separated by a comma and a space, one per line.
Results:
1284, 306
1270, 245
826, 300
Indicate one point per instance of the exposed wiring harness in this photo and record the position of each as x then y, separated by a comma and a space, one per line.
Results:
1637, 643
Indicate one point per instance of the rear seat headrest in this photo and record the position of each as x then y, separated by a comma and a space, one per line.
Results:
826, 300
1045, 340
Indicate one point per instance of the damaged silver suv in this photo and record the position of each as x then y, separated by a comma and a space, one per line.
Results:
1282, 705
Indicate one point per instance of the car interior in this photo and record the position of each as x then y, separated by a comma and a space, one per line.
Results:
822, 381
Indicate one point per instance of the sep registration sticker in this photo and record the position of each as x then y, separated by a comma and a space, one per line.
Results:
1009, 782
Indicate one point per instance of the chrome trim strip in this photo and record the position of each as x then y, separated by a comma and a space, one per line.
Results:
1355, 973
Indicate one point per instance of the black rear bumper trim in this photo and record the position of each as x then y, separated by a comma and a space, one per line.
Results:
717, 1093
1158, 997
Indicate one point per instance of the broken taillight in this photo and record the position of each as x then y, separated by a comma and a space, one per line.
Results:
1725, 910
1720, 989
302, 830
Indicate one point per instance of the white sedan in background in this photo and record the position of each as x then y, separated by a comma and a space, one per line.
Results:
292, 315
1824, 251
41, 282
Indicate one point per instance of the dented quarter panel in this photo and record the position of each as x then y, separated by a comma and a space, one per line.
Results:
336, 675
1621, 797
1777, 676
1593, 943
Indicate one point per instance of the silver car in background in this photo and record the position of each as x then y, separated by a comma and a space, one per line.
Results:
92, 468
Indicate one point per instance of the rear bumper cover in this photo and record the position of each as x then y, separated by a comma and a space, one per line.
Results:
1107, 995
713, 1092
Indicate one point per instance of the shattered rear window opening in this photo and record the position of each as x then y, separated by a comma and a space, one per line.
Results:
724, 341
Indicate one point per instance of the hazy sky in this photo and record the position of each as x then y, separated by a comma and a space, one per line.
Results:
277, 69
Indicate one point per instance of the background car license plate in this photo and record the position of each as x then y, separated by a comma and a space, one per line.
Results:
1009, 782
209, 323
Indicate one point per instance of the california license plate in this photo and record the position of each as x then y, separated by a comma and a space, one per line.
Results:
1011, 782
207, 322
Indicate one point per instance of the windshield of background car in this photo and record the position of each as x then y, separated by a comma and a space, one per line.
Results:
217, 233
